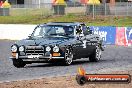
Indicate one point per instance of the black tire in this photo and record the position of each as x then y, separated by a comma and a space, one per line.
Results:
18, 63
68, 57
96, 55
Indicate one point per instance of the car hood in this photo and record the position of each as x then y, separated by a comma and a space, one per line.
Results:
45, 41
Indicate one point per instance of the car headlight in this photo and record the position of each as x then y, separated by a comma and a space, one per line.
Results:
14, 48
21, 48
56, 49
48, 48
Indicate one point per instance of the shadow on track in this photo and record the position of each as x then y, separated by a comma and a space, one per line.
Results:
75, 63
58, 64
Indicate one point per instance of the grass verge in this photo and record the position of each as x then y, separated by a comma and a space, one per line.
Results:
98, 21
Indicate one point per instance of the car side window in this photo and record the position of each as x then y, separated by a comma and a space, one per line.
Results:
87, 31
69, 30
84, 27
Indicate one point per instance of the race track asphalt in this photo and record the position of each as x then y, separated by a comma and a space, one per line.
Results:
114, 58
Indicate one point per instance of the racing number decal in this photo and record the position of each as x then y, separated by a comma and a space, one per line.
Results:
84, 44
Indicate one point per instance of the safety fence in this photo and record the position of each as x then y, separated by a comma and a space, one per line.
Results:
110, 35
44, 9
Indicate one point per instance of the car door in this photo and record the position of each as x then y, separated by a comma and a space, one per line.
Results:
81, 46
88, 43
84, 48
79, 49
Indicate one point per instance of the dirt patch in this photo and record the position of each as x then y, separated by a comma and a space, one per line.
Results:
62, 82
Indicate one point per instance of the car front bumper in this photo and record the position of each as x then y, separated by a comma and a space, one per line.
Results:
37, 58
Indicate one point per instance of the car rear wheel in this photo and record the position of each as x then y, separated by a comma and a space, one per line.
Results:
18, 63
96, 55
68, 57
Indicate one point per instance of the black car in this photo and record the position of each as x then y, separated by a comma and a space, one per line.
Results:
57, 42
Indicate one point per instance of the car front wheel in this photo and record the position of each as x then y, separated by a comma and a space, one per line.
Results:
96, 55
18, 63
68, 57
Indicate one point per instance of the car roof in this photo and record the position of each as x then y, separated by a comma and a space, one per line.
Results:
64, 23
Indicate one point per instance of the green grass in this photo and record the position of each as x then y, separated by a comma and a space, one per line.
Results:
29, 11
42, 18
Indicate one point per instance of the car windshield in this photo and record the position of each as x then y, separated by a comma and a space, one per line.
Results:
53, 30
